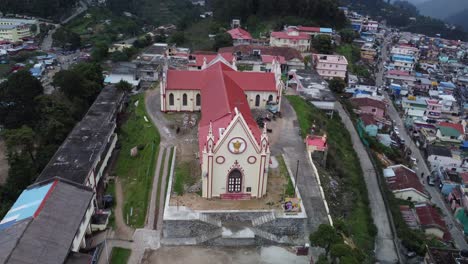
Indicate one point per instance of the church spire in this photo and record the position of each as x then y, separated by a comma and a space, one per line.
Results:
210, 139
204, 65
234, 60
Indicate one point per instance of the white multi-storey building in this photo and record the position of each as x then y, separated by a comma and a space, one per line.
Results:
330, 66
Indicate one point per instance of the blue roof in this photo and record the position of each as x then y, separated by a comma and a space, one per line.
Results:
447, 85
35, 72
464, 144
403, 57
26, 205
326, 30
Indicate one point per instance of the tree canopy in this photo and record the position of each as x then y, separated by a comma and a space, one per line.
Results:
337, 85
322, 44
222, 40
325, 237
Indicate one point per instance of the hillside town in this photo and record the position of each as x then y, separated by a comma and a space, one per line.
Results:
297, 143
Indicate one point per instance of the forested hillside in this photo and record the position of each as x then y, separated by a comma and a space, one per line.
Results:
52, 9
319, 12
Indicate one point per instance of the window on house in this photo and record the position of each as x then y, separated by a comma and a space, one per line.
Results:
257, 100
270, 98
198, 100
184, 99
373, 110
171, 99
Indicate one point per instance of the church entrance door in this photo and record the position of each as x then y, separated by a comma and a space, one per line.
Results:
235, 181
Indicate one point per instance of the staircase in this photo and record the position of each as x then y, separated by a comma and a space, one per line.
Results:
209, 236
207, 218
263, 219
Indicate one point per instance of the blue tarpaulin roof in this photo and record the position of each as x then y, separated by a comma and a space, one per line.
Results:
326, 30
447, 85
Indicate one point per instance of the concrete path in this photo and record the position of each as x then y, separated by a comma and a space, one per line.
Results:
163, 189
385, 251
151, 216
288, 141
123, 231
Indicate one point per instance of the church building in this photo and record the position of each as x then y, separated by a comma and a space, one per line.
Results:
234, 151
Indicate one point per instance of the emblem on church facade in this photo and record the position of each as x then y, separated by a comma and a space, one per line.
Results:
237, 145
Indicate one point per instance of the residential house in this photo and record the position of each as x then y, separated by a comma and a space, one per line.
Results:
119, 47
403, 62
434, 109
431, 222
405, 184
312, 31
370, 25
243, 53
330, 66
450, 132
370, 106
400, 77
444, 256
368, 52
441, 157
369, 124
123, 72
414, 103
240, 36
291, 38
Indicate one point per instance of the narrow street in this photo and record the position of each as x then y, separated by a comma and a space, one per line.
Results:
385, 250
436, 196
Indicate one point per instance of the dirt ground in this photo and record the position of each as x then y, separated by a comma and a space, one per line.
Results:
275, 189
3, 163
224, 255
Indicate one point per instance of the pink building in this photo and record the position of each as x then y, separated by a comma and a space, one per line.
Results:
434, 109
370, 106
290, 38
240, 36
330, 66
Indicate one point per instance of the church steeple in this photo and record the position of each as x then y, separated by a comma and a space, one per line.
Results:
204, 65
210, 139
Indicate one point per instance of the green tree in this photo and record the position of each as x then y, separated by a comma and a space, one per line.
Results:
66, 38
17, 99
337, 251
100, 51
178, 38
222, 40
55, 119
322, 260
322, 44
124, 86
347, 35
20, 140
337, 85
33, 28
325, 237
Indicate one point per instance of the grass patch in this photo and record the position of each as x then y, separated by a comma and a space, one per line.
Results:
120, 255
342, 162
182, 177
136, 173
289, 188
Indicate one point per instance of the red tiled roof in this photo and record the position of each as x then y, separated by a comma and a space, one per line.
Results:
409, 216
285, 35
318, 141
429, 217
368, 119
195, 80
365, 101
398, 72
458, 127
220, 95
404, 179
269, 59
239, 33
286, 52
309, 29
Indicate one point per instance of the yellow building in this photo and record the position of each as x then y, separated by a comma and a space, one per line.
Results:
15, 30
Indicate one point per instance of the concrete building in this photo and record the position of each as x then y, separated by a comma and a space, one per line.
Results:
291, 38
405, 184
312, 31
234, 152
15, 30
240, 36
330, 66
48, 221
123, 72
368, 52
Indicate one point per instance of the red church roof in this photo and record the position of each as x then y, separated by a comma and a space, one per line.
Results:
239, 33
220, 96
209, 57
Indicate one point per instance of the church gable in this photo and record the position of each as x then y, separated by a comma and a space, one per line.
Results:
237, 138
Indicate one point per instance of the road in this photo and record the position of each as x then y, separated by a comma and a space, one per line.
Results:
385, 250
436, 196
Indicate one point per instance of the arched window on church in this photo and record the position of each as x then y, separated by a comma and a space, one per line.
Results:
171, 99
198, 100
184, 99
257, 100
270, 98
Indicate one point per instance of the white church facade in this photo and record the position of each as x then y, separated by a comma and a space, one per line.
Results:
234, 152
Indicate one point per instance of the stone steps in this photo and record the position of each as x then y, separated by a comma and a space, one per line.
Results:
212, 235
209, 219
263, 219
265, 235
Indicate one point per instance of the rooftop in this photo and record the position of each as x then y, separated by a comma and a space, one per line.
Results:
365, 101
338, 59
239, 33
438, 151
75, 158
403, 178
46, 235
290, 34
286, 52
429, 217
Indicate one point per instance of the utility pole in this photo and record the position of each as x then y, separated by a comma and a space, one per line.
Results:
295, 180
